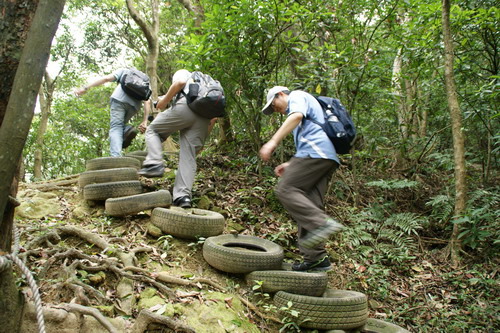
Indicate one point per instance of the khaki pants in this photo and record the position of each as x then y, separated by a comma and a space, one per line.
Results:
301, 190
193, 132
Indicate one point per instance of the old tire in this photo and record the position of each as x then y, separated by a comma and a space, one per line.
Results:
242, 254
107, 175
105, 191
140, 158
112, 163
138, 153
136, 203
379, 326
188, 223
336, 309
303, 283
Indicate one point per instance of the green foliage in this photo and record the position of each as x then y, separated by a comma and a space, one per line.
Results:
441, 208
198, 244
389, 240
289, 319
166, 242
77, 131
479, 226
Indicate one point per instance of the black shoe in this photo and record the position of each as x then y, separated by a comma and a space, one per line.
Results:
183, 202
128, 135
321, 265
151, 171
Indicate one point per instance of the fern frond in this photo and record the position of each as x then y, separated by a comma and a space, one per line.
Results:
409, 223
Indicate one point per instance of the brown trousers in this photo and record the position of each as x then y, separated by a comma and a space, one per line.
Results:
301, 190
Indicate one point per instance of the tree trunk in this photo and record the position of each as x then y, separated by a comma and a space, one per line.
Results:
16, 116
16, 20
19, 112
45, 96
397, 90
151, 32
458, 137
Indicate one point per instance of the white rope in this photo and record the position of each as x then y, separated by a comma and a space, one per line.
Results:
34, 289
4, 264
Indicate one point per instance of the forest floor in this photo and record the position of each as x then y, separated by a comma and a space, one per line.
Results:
121, 266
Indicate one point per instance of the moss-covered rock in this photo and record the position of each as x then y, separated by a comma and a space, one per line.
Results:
36, 204
205, 203
153, 230
220, 312
148, 299
231, 225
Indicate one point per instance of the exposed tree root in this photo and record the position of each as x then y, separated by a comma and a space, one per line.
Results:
122, 264
147, 317
61, 184
48, 238
84, 310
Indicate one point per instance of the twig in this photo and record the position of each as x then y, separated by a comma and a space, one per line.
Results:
254, 309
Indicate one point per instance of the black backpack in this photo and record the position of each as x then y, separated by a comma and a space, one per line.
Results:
206, 96
136, 84
338, 124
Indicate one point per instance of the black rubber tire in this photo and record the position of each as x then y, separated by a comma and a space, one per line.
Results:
140, 158
105, 191
379, 326
302, 283
137, 203
242, 254
112, 163
188, 223
106, 176
336, 309
138, 153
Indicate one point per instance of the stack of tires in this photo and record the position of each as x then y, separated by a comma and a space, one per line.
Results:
318, 306
115, 180
262, 262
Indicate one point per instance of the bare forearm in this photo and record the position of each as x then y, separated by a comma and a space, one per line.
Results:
287, 127
174, 89
98, 82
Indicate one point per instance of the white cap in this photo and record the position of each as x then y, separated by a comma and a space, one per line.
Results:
267, 109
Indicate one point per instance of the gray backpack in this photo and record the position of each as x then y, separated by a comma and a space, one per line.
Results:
206, 96
136, 84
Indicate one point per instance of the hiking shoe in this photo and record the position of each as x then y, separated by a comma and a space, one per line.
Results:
128, 135
321, 265
183, 202
151, 171
320, 235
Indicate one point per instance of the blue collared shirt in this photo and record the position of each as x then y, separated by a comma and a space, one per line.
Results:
310, 139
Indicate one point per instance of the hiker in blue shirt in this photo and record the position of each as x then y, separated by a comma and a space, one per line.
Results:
304, 179
123, 108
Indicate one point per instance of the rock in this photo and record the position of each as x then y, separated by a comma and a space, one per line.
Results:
205, 203
37, 205
153, 230
149, 299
